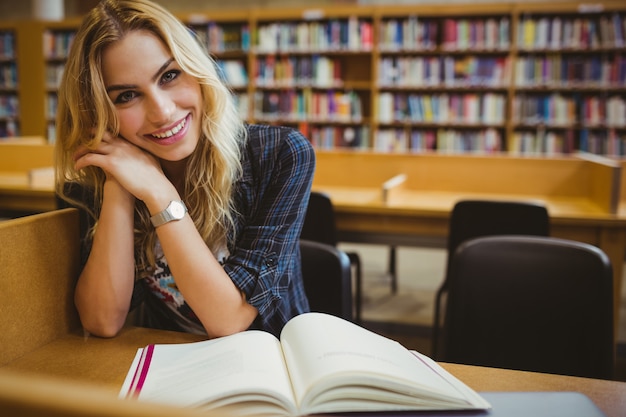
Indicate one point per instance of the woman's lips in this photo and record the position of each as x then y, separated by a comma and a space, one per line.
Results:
173, 135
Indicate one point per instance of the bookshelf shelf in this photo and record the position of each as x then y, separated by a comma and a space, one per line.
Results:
517, 77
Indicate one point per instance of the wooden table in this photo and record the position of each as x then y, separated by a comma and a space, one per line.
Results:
103, 363
17, 195
19, 160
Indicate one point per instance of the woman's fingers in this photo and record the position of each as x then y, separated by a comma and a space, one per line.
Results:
134, 168
89, 159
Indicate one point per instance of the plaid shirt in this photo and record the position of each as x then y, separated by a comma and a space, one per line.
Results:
271, 198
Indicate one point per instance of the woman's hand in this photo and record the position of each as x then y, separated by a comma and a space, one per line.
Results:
136, 170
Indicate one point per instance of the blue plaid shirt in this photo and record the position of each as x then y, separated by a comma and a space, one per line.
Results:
271, 201
263, 258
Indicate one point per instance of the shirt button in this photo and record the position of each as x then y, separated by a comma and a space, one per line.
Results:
271, 260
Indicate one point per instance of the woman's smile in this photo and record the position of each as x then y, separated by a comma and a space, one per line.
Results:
171, 135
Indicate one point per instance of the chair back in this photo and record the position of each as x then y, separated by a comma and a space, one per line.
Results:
474, 218
39, 265
319, 222
531, 303
327, 278
319, 226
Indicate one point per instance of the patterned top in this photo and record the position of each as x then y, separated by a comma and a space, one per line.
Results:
271, 199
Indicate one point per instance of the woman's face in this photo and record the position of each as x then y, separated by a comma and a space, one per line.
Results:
158, 105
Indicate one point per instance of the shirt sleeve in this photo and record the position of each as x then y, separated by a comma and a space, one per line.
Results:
272, 199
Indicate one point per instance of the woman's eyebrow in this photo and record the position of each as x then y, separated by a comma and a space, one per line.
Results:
163, 67
117, 87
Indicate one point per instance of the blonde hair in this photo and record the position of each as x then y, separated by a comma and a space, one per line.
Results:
85, 113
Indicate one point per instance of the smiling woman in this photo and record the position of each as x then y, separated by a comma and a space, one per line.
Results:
159, 107
186, 208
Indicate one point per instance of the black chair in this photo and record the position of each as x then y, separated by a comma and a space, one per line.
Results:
476, 218
327, 278
319, 226
532, 303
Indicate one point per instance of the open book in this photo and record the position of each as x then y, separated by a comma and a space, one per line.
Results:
322, 364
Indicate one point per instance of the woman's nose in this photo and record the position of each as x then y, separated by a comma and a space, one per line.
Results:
160, 108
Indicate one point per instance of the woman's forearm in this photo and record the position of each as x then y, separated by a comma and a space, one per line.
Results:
105, 286
215, 299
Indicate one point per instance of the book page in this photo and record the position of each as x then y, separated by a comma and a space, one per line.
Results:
246, 365
335, 365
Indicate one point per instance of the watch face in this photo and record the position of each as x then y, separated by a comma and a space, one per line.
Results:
178, 210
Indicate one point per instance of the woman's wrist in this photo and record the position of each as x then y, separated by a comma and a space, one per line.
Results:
114, 191
160, 197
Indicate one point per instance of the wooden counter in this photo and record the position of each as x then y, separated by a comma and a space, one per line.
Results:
23, 165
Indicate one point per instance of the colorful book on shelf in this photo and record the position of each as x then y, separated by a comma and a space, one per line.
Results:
321, 364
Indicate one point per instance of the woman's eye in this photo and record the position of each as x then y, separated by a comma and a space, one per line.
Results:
169, 76
125, 97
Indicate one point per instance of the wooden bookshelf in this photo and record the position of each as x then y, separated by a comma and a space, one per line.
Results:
323, 83
570, 78
226, 37
33, 91
436, 85
478, 78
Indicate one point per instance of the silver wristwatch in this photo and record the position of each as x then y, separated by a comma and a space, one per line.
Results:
175, 211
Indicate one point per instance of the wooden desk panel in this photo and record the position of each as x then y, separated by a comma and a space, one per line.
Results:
27, 200
103, 363
584, 177
16, 194
17, 158
98, 361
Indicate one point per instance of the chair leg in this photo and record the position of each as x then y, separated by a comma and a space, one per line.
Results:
392, 269
435, 354
356, 261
